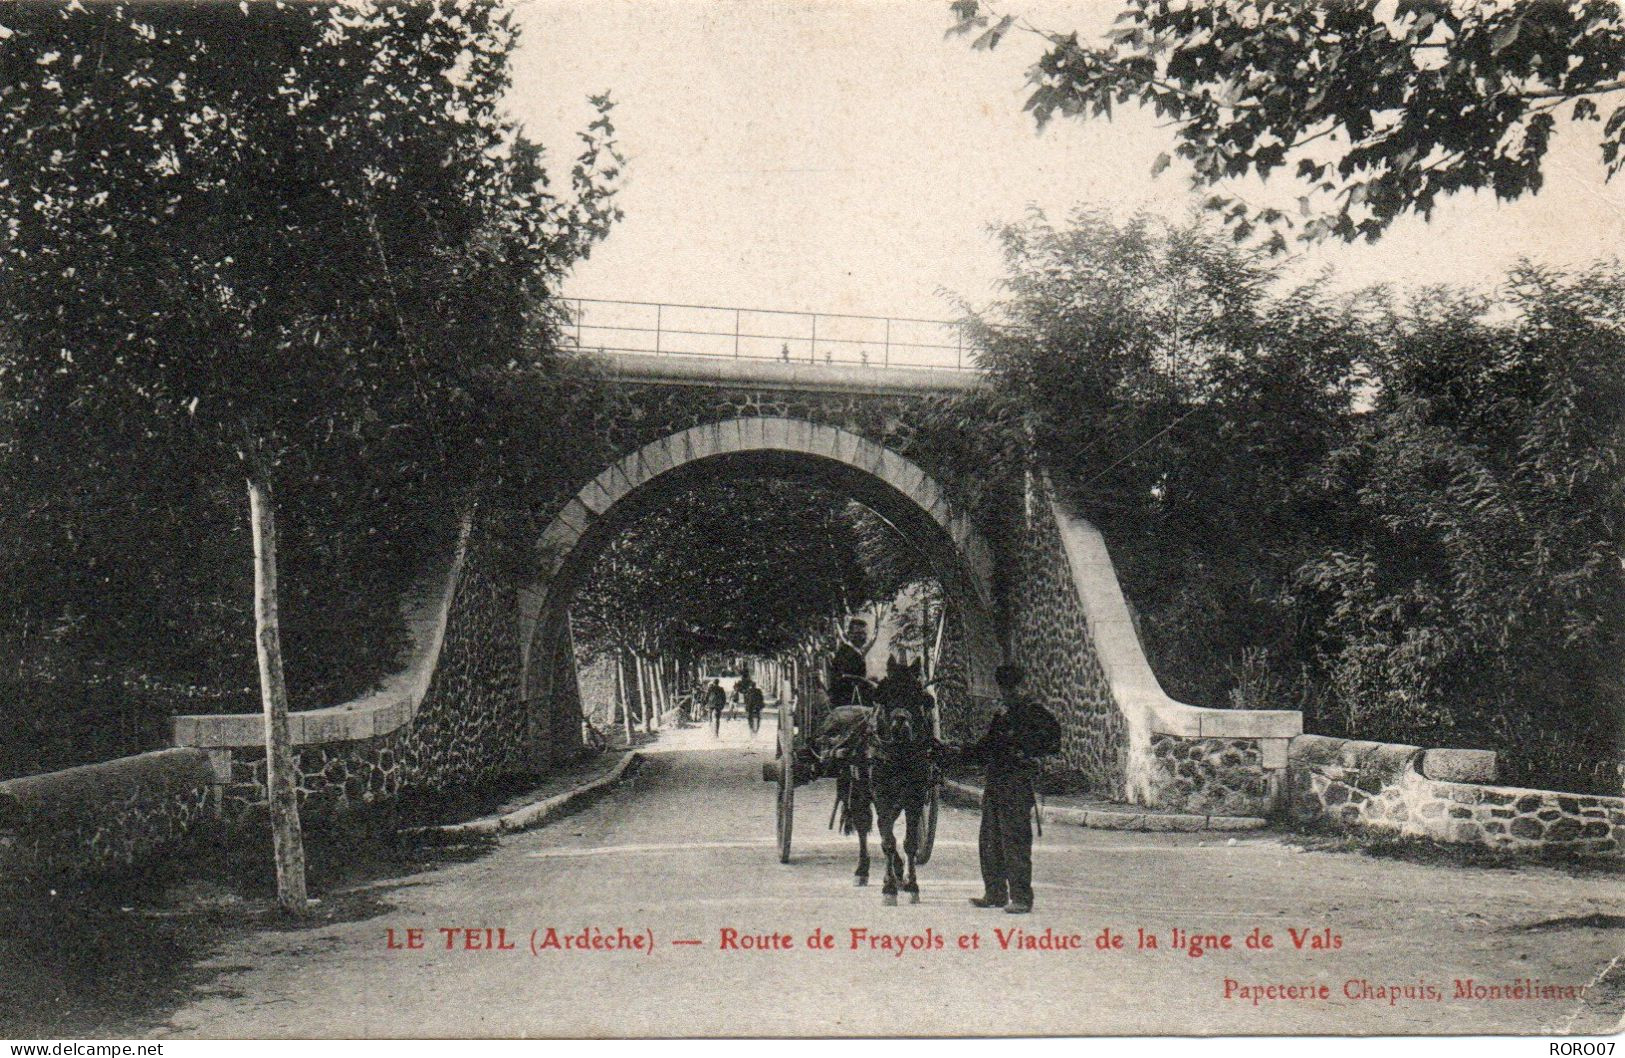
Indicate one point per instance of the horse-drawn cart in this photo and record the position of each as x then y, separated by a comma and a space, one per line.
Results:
807, 750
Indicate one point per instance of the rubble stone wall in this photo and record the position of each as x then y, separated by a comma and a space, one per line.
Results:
79, 821
1378, 787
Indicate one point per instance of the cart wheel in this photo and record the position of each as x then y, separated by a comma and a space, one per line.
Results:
787, 781
928, 829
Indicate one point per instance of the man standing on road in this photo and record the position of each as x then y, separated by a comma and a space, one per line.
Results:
716, 700
1021, 733
747, 692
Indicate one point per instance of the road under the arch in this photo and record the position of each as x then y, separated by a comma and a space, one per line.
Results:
686, 850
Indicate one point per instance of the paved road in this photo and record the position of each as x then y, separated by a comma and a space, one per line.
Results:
684, 851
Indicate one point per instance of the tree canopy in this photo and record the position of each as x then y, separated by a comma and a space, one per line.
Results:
1376, 109
280, 224
284, 233
303, 240
1183, 405
749, 566
1483, 589
1400, 514
296, 246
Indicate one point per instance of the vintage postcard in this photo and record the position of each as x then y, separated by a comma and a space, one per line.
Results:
857, 518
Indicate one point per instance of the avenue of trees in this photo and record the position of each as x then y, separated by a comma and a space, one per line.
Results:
1397, 511
770, 567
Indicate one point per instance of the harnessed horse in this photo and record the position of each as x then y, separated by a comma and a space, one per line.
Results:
887, 757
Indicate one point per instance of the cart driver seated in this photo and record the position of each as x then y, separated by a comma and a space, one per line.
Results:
849, 667
842, 729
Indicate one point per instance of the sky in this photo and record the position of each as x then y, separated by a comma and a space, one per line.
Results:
842, 156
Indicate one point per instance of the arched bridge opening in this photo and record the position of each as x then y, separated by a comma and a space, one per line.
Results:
895, 489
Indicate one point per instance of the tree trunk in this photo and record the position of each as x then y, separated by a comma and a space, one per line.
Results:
655, 690
287, 840
938, 641
634, 687
651, 702
664, 684
622, 698
643, 692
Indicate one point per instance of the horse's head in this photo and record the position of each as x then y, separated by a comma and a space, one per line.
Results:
903, 706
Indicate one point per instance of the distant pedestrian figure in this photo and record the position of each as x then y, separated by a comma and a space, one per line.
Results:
716, 700
1019, 735
747, 692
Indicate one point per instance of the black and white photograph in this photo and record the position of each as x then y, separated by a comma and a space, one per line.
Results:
782, 520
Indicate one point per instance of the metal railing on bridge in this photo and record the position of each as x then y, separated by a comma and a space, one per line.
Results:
725, 332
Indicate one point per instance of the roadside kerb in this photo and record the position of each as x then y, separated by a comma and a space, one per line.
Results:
1116, 819
543, 811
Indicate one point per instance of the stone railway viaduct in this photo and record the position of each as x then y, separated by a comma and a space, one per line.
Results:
491, 685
